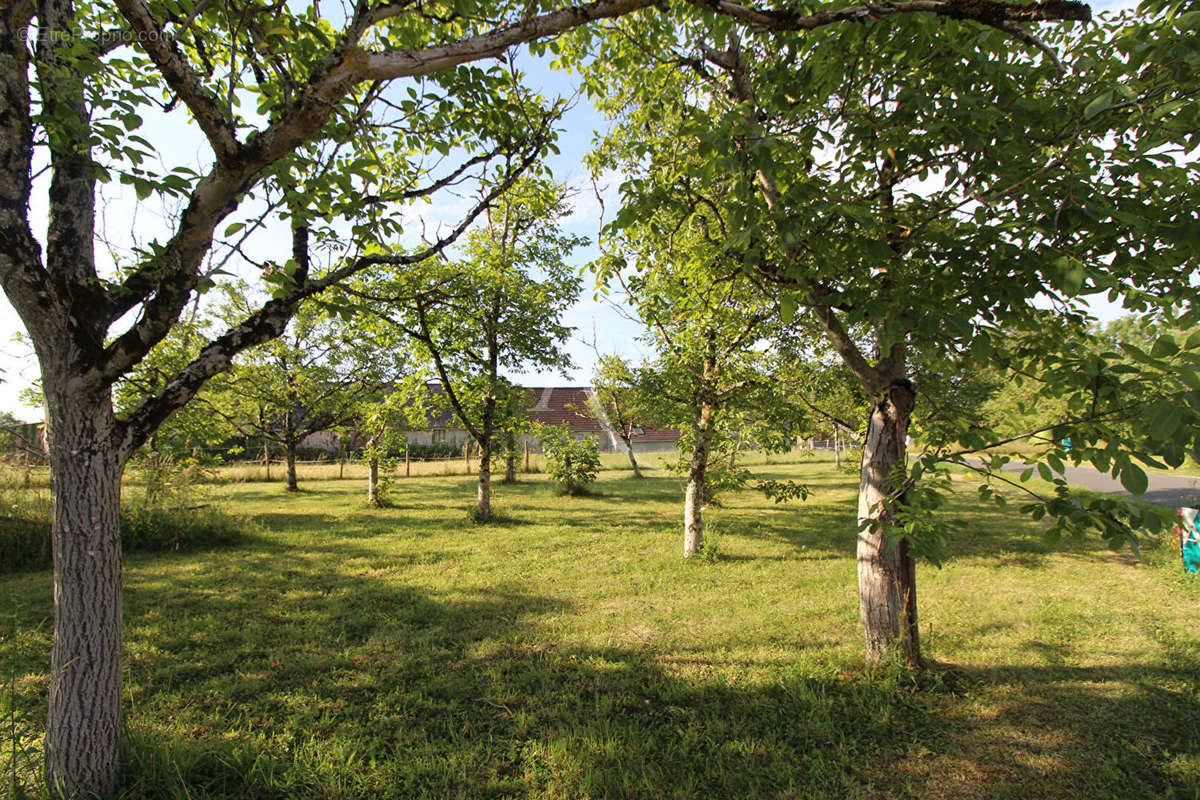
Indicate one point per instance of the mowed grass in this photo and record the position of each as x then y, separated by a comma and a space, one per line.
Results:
567, 651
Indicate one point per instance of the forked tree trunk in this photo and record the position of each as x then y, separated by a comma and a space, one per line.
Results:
83, 726
373, 481
292, 485
887, 586
483, 495
694, 495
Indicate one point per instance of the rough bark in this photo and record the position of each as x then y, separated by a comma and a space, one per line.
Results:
694, 495
83, 726
483, 496
886, 569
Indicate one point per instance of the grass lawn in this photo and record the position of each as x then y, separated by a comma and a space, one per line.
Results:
566, 651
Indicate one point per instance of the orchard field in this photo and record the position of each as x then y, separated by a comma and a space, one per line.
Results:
566, 651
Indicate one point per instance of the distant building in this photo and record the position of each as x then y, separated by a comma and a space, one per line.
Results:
552, 405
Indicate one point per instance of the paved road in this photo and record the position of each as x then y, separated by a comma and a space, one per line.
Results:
1165, 490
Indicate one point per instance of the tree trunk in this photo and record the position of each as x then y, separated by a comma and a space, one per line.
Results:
373, 481
510, 457
292, 486
837, 448
527, 458
267, 459
407, 461
637, 473
341, 460
886, 570
83, 726
694, 496
483, 497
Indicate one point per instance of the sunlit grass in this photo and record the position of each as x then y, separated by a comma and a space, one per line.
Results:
567, 651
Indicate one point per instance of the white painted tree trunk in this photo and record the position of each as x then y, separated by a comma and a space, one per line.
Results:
637, 472
83, 726
373, 482
886, 569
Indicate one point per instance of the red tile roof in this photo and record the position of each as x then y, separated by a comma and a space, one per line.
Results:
554, 405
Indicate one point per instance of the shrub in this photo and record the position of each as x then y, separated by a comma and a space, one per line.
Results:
571, 463
421, 452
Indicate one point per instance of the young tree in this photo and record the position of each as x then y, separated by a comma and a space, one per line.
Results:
619, 402
76, 103
382, 422
706, 321
512, 420
871, 174
497, 304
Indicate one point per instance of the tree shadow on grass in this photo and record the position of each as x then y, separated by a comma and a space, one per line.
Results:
448, 699
319, 674
312, 675
1128, 731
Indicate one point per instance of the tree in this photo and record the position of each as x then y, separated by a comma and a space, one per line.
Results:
512, 420
869, 174
94, 71
706, 321
383, 422
619, 402
314, 378
484, 310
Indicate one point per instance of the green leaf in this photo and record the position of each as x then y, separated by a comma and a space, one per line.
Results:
1134, 479
787, 308
1098, 105
1164, 346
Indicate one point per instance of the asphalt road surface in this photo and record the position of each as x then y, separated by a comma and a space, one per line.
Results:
1164, 490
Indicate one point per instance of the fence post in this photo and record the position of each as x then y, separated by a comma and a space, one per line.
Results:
407, 463
527, 456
